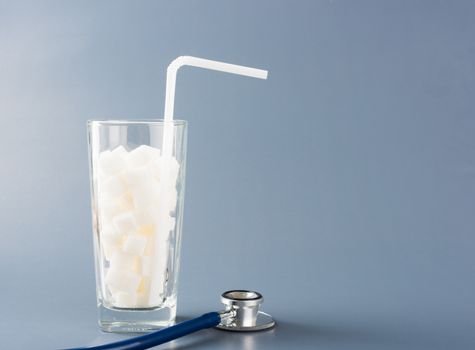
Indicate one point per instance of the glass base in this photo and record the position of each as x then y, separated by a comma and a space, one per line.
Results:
116, 320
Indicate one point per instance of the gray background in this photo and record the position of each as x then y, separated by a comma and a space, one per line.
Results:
342, 188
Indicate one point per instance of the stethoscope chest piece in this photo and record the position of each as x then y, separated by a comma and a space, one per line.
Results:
242, 312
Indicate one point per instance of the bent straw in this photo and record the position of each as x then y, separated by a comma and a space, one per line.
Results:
167, 145
172, 71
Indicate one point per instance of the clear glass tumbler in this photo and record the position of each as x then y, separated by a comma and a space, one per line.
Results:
137, 212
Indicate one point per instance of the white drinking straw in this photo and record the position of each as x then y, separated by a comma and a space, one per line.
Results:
167, 145
172, 70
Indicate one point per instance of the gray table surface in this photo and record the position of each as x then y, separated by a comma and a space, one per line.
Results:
342, 187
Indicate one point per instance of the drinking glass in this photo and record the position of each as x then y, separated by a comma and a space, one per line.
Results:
137, 212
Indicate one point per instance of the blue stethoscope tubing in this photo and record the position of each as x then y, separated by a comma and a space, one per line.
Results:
142, 342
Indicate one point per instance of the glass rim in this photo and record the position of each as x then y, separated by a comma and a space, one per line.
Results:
176, 122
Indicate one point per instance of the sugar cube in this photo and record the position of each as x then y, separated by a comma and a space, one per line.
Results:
135, 244
124, 281
110, 241
112, 162
170, 168
142, 155
172, 199
145, 265
124, 300
125, 222
124, 262
159, 273
111, 188
146, 197
146, 216
143, 293
165, 226
140, 177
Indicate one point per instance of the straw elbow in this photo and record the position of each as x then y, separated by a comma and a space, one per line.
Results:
177, 63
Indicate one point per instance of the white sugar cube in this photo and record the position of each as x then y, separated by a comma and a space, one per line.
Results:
135, 244
120, 151
124, 203
125, 222
142, 300
112, 162
108, 249
155, 299
144, 285
150, 247
110, 241
145, 265
146, 216
114, 279
132, 282
143, 293
161, 255
174, 169
108, 208
154, 153
142, 155
108, 231
140, 177
111, 188
165, 226
170, 168
123, 281
155, 167
172, 199
124, 262
159, 273
124, 300
171, 223
146, 230
146, 197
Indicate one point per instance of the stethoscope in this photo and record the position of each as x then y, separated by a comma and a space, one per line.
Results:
241, 314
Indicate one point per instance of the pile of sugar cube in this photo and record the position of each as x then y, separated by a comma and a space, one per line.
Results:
136, 199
